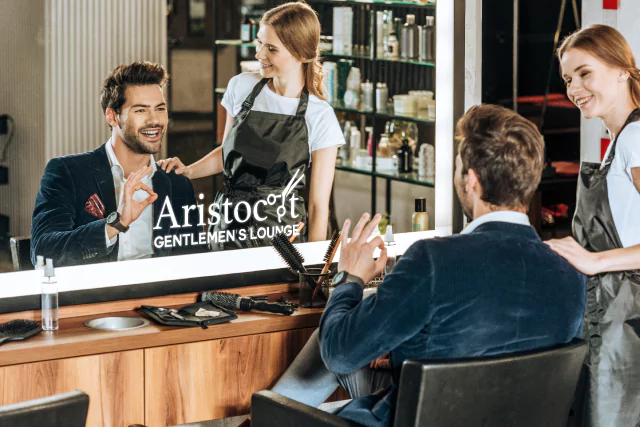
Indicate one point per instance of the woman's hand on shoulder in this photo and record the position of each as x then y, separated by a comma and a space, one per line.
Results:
583, 260
174, 163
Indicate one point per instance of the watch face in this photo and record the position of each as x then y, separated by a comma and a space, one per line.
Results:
339, 278
113, 216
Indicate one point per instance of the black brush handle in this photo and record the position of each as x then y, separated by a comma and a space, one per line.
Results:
248, 304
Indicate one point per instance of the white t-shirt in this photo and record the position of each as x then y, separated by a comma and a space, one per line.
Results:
624, 197
322, 125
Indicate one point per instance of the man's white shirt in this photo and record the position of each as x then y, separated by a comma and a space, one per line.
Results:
137, 242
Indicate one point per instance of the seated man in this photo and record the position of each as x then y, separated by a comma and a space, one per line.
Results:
105, 205
493, 289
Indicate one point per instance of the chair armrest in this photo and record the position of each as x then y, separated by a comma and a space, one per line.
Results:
269, 409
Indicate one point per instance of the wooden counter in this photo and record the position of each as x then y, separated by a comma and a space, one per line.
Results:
156, 375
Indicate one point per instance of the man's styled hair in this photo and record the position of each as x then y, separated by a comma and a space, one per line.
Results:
505, 150
135, 74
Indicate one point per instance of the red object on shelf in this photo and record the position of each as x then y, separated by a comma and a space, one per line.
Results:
558, 100
610, 4
604, 144
566, 168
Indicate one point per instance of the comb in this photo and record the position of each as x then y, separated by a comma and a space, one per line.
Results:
328, 259
15, 330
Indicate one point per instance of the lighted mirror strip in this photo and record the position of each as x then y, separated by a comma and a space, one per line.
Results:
444, 114
124, 273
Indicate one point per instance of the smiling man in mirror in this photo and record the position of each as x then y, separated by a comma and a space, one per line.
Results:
101, 205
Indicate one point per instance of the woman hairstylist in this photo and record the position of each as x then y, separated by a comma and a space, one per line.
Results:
603, 81
277, 123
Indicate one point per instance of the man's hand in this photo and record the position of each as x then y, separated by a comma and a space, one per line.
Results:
583, 260
382, 362
131, 208
356, 256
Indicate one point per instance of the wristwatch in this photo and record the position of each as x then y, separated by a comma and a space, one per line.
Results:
114, 220
345, 277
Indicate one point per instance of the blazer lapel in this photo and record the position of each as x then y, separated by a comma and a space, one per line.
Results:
101, 170
162, 187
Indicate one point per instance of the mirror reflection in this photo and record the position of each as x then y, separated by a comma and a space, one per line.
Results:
154, 143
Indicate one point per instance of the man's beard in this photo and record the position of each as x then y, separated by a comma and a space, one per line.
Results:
132, 140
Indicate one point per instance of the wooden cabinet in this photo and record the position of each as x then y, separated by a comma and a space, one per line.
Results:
113, 381
215, 379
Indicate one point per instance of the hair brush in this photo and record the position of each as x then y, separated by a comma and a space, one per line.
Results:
328, 259
15, 330
288, 253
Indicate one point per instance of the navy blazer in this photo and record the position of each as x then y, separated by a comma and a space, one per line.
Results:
61, 229
496, 290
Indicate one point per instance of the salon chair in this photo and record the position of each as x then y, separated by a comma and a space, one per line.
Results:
62, 410
529, 389
21, 253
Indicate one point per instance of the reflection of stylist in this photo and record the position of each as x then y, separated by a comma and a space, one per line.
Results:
277, 119
603, 81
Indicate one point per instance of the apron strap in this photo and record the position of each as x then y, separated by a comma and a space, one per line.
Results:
633, 117
248, 103
304, 101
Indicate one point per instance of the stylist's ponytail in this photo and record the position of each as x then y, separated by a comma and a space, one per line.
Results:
314, 78
634, 81
297, 26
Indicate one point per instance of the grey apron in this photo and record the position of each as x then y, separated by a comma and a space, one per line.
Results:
613, 308
262, 154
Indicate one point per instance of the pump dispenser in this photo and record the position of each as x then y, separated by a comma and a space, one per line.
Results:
49, 298
39, 263
390, 245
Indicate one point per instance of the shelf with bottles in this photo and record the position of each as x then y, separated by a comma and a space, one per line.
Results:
331, 54
410, 177
238, 43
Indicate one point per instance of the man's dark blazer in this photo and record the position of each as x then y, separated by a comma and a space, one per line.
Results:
61, 229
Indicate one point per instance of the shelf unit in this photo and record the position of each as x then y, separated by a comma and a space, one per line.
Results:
372, 71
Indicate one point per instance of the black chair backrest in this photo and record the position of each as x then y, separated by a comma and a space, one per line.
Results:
530, 389
21, 253
62, 410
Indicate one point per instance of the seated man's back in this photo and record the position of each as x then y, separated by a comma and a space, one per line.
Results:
495, 290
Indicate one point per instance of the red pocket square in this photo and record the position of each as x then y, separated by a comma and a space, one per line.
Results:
94, 206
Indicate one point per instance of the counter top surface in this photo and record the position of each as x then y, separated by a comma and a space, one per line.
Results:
73, 339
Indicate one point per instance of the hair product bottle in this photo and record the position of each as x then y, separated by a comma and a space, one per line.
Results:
410, 39
245, 29
420, 218
405, 157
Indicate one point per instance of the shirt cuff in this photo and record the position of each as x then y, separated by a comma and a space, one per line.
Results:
112, 241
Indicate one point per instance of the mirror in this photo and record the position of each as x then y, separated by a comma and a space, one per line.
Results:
52, 96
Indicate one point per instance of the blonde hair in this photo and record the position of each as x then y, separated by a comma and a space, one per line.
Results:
609, 46
297, 26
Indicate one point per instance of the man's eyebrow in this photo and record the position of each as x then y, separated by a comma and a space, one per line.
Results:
147, 106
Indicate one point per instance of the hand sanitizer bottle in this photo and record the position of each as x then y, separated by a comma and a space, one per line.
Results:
390, 244
49, 298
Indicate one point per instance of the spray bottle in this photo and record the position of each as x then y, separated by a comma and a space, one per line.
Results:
49, 298
390, 245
